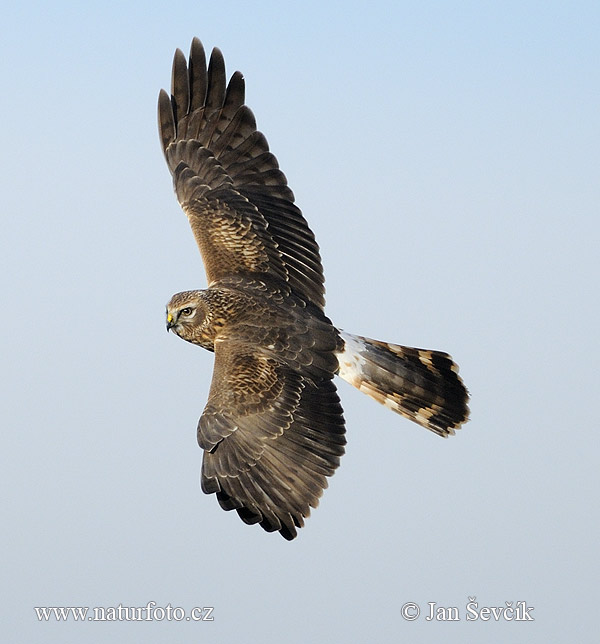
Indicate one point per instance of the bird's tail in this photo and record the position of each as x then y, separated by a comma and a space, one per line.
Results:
424, 386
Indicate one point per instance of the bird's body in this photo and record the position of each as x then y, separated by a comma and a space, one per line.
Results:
264, 314
273, 427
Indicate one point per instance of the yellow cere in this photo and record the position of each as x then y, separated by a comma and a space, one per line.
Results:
169, 317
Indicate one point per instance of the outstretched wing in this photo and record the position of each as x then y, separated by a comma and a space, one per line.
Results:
237, 200
270, 436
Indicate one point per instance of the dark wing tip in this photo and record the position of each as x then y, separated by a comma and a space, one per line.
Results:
196, 48
197, 75
215, 94
236, 91
180, 88
166, 119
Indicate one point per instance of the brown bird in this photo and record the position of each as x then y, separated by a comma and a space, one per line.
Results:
273, 427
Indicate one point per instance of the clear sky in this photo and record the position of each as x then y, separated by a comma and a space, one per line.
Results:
446, 154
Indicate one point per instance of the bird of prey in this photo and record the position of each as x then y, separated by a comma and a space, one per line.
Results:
273, 428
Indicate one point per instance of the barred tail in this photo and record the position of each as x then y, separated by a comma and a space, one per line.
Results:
424, 386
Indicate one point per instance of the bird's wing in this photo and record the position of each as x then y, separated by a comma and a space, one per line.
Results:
271, 437
230, 186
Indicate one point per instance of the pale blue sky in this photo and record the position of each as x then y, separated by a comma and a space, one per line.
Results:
446, 156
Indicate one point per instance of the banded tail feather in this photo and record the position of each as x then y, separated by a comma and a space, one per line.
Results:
421, 385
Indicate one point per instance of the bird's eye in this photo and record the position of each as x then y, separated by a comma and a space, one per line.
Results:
186, 311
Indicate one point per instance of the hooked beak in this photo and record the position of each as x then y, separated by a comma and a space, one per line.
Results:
170, 322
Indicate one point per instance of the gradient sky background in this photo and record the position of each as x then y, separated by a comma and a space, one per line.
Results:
446, 154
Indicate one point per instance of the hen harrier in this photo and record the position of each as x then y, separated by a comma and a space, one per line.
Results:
273, 427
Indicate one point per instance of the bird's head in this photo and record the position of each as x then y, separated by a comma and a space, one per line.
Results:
187, 316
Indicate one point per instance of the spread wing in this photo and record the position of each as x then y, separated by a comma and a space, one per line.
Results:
270, 436
237, 200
